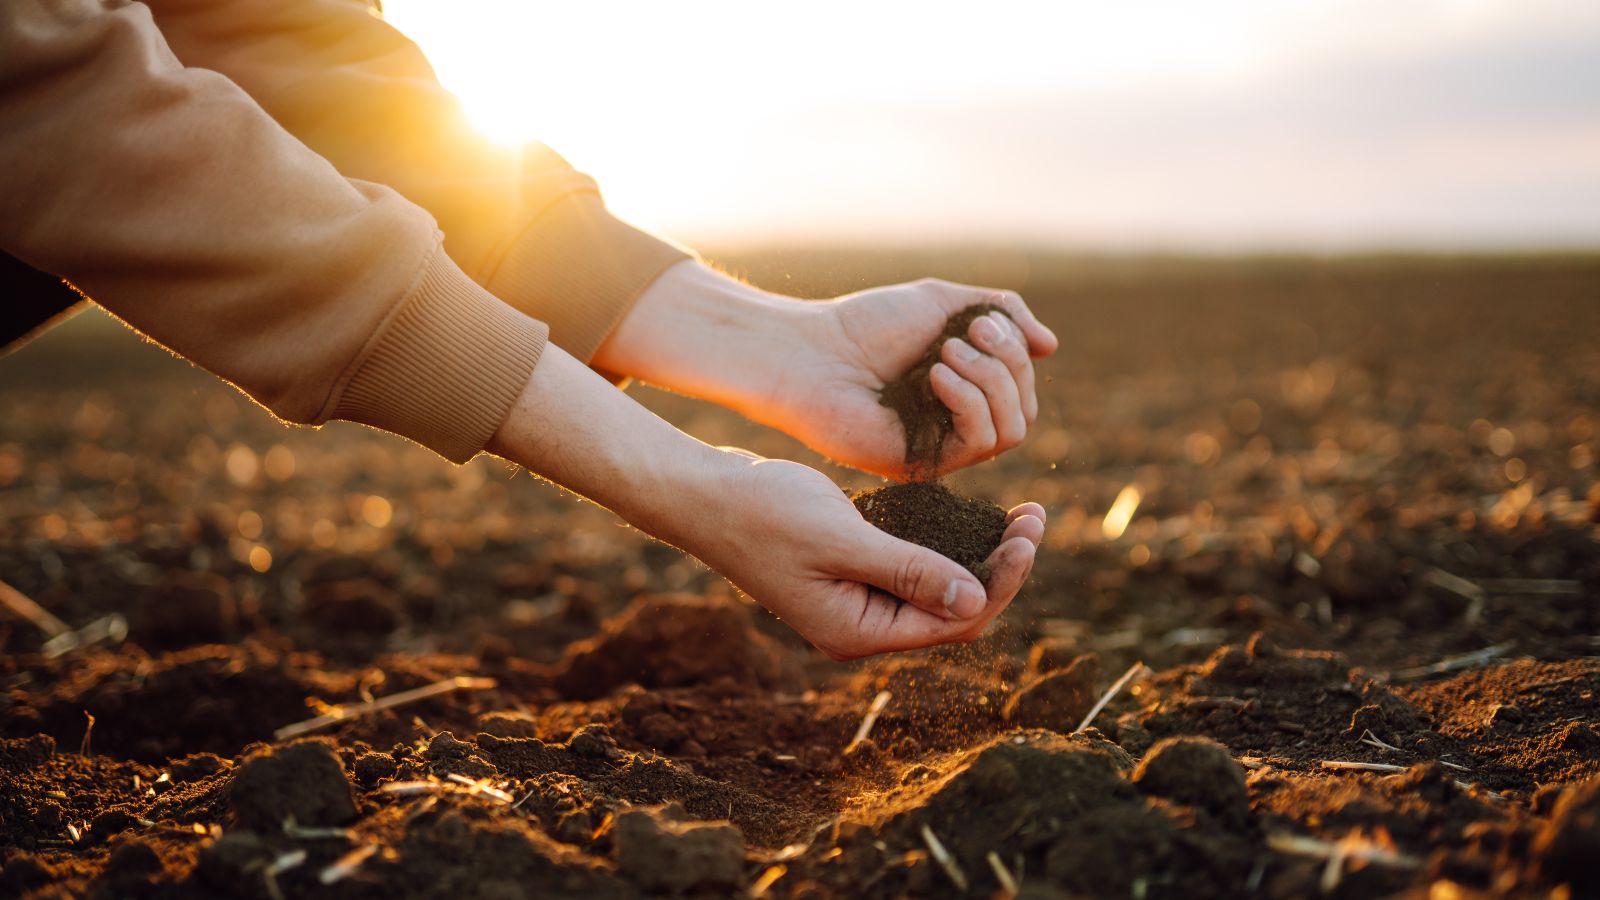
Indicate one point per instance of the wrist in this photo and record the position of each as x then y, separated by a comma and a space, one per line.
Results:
569, 425
701, 333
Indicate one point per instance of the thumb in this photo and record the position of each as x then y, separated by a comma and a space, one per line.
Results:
917, 575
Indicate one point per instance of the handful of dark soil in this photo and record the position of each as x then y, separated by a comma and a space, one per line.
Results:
924, 417
927, 513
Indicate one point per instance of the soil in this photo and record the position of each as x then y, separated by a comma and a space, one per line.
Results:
929, 514
1368, 532
923, 416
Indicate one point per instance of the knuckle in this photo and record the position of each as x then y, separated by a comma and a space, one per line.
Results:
990, 372
1010, 435
909, 577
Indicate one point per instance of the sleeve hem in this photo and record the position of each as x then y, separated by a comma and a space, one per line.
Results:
445, 366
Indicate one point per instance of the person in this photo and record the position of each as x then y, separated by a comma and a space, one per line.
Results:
281, 192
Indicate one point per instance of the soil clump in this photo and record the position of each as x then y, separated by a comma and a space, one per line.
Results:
927, 513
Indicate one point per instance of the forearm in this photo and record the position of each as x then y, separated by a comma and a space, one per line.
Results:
698, 332
571, 426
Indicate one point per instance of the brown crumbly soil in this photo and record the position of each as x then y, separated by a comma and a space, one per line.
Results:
927, 513
1353, 475
923, 416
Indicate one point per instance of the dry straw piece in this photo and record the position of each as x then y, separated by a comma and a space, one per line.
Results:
347, 865
867, 721
1337, 853
1002, 874
347, 711
1137, 670
1454, 663
944, 859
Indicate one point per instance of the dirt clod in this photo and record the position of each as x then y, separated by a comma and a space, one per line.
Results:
303, 781
1195, 771
1568, 845
661, 852
927, 513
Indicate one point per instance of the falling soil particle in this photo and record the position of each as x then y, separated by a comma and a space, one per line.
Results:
923, 415
927, 513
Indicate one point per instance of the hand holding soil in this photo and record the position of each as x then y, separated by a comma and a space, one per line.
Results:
782, 532
800, 548
979, 377
818, 370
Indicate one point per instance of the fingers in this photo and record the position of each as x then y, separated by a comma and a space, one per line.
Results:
998, 385
886, 627
1010, 563
1026, 509
953, 297
1029, 526
969, 409
1009, 566
917, 575
1041, 341
1002, 339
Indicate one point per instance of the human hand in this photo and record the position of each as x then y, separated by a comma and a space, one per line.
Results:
828, 393
790, 539
815, 370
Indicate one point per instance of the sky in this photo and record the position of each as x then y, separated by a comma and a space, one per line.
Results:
1215, 125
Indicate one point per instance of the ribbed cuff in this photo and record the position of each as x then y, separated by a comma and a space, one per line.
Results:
580, 269
446, 365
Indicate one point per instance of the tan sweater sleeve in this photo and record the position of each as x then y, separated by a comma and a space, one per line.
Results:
170, 198
523, 224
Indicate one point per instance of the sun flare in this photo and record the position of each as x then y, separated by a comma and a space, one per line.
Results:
1147, 122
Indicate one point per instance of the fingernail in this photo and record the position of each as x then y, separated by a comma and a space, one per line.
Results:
963, 600
964, 351
986, 331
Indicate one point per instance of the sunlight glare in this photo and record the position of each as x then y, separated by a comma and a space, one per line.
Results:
1069, 120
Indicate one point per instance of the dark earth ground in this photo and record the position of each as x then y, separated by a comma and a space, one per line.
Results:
1347, 472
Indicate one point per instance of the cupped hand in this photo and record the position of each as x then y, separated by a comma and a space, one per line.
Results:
828, 392
790, 539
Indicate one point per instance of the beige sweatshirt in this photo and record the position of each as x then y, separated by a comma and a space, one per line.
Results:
180, 186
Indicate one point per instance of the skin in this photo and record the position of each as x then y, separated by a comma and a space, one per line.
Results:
781, 532
813, 369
